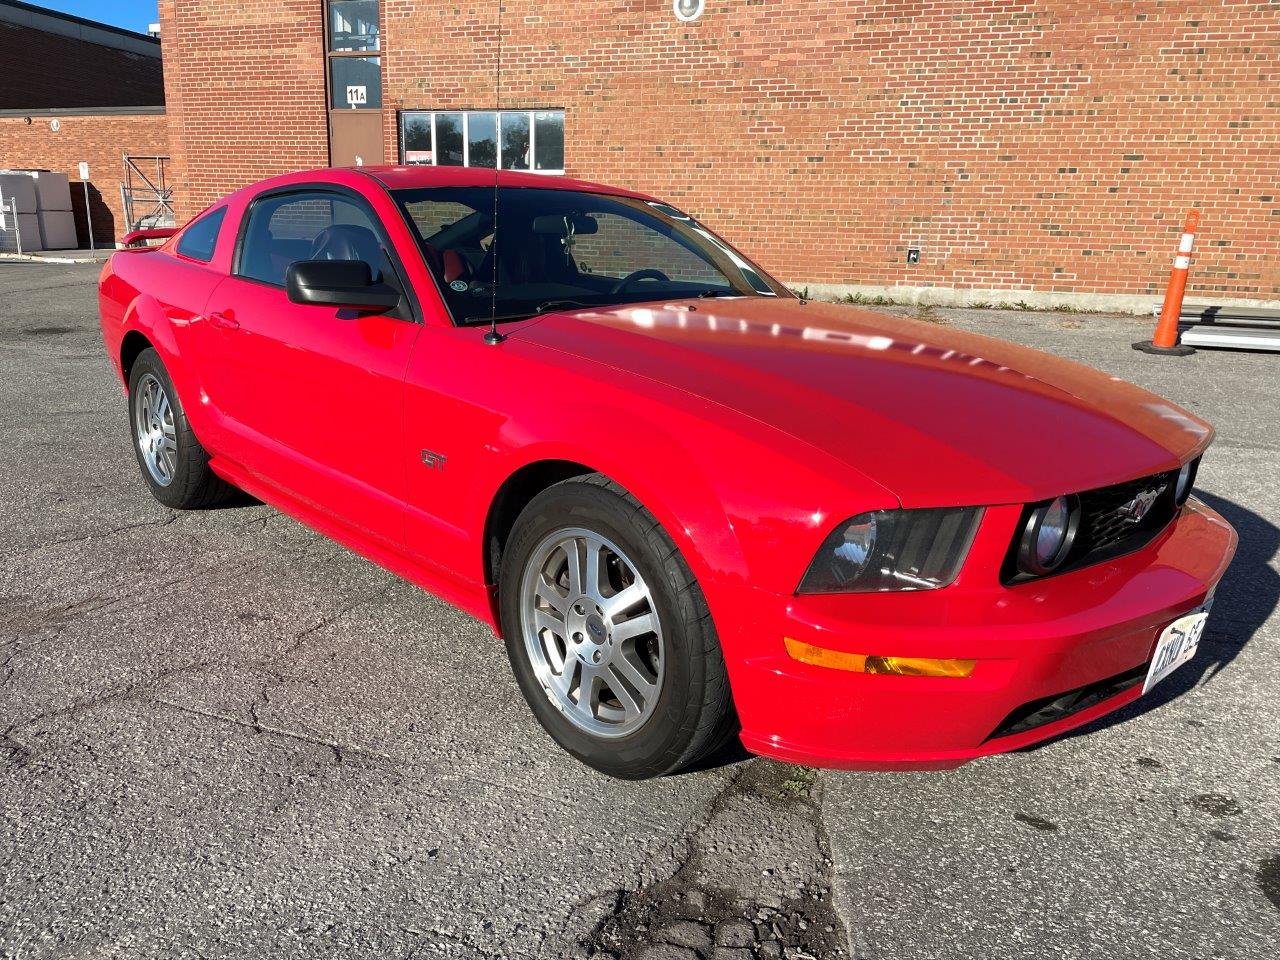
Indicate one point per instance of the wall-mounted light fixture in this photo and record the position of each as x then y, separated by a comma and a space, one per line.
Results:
688, 11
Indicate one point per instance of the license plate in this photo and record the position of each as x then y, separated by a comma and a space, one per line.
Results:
1177, 645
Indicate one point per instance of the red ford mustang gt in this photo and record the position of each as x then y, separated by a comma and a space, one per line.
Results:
692, 503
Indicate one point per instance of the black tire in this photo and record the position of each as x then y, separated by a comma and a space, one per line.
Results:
694, 714
193, 485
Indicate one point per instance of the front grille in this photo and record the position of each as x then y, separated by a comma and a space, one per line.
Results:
1046, 710
1106, 529
1104, 524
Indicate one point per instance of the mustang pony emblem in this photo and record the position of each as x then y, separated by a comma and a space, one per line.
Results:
1140, 506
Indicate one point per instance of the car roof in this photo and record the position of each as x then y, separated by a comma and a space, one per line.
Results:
418, 177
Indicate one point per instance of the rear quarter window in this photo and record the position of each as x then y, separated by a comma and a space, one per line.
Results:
201, 238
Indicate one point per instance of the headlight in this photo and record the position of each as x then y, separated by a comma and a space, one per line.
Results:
1186, 480
893, 550
1048, 534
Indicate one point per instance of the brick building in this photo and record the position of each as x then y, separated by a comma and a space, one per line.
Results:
1047, 147
77, 91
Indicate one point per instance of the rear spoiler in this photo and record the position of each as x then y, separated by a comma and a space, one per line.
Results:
155, 233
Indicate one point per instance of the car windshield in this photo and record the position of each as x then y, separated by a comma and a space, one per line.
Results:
514, 252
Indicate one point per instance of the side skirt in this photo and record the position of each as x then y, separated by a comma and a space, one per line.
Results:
472, 599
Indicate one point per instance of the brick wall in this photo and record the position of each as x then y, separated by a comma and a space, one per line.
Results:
244, 87
1044, 144
102, 141
51, 70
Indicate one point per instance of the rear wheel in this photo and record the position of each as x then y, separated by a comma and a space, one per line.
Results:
609, 634
174, 464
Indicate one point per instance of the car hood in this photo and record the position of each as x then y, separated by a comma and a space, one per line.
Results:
934, 414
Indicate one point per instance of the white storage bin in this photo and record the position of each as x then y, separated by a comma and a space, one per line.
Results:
21, 188
53, 190
57, 230
10, 224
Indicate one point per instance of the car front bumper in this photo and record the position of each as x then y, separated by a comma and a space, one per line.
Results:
1088, 633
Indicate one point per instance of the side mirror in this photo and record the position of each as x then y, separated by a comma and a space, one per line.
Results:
339, 283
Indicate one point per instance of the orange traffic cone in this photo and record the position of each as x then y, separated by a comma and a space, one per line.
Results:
1165, 340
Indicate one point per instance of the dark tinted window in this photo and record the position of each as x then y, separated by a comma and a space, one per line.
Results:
200, 239
357, 82
307, 226
512, 252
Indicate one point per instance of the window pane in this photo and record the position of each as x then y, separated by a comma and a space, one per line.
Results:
515, 141
284, 230
622, 246
357, 82
549, 140
595, 249
417, 138
431, 217
449, 139
353, 25
482, 139
199, 239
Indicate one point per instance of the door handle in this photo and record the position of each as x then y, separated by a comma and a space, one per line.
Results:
224, 322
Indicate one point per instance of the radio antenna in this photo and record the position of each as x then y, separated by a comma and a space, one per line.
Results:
494, 337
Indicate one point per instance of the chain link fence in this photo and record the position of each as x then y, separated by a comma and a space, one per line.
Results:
11, 239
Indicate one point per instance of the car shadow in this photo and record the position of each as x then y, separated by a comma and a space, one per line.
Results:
729, 754
1245, 600
234, 501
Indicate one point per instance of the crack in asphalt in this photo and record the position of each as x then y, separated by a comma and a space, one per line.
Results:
97, 535
679, 853
718, 902
143, 689
257, 726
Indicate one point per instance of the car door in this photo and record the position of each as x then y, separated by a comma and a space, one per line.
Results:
310, 399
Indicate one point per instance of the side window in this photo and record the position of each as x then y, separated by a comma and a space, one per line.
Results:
200, 239
622, 246
282, 230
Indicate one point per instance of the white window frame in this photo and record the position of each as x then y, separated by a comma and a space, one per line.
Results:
466, 135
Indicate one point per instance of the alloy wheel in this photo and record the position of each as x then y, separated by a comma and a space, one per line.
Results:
592, 632
153, 425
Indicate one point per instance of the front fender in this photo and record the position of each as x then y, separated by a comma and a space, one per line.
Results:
746, 504
688, 510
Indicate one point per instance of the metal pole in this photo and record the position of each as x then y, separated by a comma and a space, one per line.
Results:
88, 215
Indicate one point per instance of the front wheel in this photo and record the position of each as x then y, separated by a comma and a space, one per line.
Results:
174, 464
609, 634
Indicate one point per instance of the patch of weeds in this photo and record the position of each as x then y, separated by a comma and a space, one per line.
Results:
927, 312
862, 299
798, 784
980, 305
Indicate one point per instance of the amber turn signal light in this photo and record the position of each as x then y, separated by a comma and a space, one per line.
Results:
861, 663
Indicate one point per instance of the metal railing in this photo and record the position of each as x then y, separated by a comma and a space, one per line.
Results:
145, 195
11, 235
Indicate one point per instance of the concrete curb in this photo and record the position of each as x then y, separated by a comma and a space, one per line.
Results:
35, 258
1137, 304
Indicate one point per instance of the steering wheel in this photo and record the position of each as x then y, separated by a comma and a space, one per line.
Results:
647, 274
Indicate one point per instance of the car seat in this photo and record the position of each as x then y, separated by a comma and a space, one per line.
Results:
347, 241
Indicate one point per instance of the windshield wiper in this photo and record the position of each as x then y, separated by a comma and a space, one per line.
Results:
559, 305
708, 294
525, 315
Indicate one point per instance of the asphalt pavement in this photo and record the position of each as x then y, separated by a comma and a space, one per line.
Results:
222, 735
